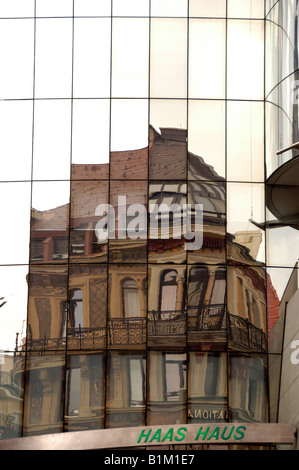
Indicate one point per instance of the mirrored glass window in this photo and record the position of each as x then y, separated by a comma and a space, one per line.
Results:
52, 139
15, 220
245, 9
245, 141
245, 59
16, 8
206, 157
84, 401
91, 68
12, 393
44, 394
54, 8
129, 124
17, 58
125, 401
169, 8
130, 57
92, 8
131, 8
207, 388
16, 140
168, 58
167, 388
201, 8
207, 58
13, 305
53, 58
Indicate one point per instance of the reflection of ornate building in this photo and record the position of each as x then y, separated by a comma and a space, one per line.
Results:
140, 319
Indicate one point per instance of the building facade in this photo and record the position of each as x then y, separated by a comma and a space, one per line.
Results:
113, 313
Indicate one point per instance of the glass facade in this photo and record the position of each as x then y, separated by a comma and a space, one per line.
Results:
117, 117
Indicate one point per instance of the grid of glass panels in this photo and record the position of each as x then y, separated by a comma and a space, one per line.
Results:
142, 102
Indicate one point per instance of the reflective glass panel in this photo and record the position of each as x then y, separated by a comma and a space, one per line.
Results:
245, 211
89, 201
15, 220
207, 388
208, 199
90, 134
166, 305
202, 8
245, 141
125, 402
282, 245
53, 58
246, 304
168, 58
16, 58
50, 221
167, 388
167, 225
16, 8
87, 307
54, 8
84, 400
169, 7
12, 392
207, 307
245, 59
44, 394
207, 58
245, 9
92, 8
206, 158
13, 306
129, 124
52, 139
127, 306
47, 315
16, 140
247, 389
92, 41
131, 8
130, 57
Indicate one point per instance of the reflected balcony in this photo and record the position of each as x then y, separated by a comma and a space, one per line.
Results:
166, 327
123, 332
244, 336
86, 338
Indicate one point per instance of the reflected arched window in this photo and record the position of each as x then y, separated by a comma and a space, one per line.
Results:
168, 291
131, 298
76, 308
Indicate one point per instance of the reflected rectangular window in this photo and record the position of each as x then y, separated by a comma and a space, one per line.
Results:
15, 221
13, 306
53, 58
16, 140
207, 387
44, 394
52, 140
168, 58
167, 388
125, 402
247, 389
92, 39
84, 393
245, 59
207, 58
202, 8
90, 134
17, 58
245, 141
206, 156
130, 57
